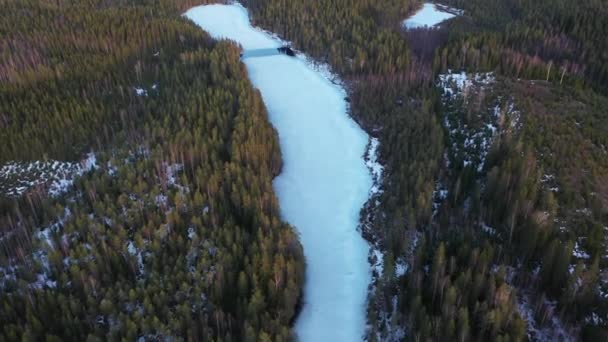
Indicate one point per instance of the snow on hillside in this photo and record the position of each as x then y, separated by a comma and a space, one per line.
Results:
57, 176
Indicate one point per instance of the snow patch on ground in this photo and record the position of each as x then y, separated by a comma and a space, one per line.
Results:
377, 261
386, 327
552, 330
44, 234
171, 173
578, 252
374, 165
401, 267
393, 332
191, 233
488, 229
134, 251
140, 91
57, 176
44, 239
430, 15
440, 194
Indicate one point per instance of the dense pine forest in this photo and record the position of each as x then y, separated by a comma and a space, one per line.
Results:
493, 131
173, 229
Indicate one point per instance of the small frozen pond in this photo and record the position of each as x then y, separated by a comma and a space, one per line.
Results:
430, 15
324, 181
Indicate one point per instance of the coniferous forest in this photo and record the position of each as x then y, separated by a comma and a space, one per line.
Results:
175, 231
492, 218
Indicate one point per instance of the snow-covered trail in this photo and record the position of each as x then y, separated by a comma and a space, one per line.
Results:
324, 182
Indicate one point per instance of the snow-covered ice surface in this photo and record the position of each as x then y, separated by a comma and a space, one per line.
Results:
429, 15
324, 182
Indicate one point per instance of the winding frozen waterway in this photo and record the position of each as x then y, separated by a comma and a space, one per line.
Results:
324, 182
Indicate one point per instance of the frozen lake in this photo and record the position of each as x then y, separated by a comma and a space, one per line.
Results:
429, 15
324, 181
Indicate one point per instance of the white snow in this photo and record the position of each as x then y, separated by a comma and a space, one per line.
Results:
552, 330
40, 256
401, 267
488, 229
428, 16
595, 319
90, 162
441, 192
492, 128
191, 233
374, 165
171, 171
160, 200
44, 235
378, 261
132, 250
547, 178
18, 177
140, 91
579, 253
324, 182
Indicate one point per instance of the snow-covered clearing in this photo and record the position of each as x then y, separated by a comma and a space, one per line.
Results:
430, 15
324, 182
58, 176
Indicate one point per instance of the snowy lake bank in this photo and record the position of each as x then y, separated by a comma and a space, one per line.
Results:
324, 182
430, 15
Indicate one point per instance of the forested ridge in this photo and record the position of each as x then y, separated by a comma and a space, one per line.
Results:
494, 195
173, 231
